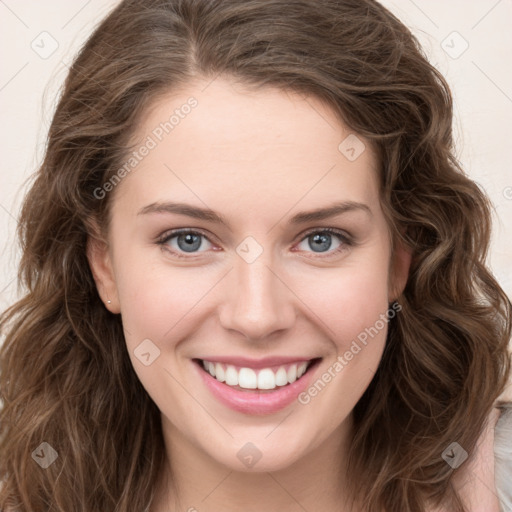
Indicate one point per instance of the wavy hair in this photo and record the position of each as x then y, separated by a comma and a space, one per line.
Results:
66, 377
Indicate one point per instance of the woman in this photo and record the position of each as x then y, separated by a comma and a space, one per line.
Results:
255, 275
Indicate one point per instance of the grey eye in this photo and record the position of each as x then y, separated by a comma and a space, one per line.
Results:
320, 241
186, 242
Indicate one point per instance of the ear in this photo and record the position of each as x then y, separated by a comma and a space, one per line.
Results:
100, 262
399, 269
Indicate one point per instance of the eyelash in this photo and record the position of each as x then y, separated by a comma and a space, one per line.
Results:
345, 240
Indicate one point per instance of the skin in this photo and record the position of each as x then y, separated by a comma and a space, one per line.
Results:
257, 158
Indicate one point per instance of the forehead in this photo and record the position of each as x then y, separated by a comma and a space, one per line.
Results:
224, 144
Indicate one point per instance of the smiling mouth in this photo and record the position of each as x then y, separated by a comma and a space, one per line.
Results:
262, 379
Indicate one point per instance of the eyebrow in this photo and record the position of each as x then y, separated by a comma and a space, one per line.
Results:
209, 215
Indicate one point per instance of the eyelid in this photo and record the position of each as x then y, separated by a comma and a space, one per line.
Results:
344, 235
170, 233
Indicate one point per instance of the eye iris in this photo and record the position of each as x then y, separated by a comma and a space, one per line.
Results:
321, 241
192, 242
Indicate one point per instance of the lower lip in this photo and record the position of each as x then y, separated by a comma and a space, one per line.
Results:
257, 401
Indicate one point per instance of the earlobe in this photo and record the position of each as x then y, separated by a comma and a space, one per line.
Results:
399, 271
102, 270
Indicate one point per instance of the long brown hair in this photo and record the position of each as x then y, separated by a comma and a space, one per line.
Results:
66, 377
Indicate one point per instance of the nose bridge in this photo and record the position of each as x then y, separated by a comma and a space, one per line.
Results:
257, 302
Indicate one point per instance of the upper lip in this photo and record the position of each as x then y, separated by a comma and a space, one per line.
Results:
265, 362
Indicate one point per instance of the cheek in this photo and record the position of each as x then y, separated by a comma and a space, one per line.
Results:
159, 304
160, 300
156, 302
358, 311
355, 308
348, 300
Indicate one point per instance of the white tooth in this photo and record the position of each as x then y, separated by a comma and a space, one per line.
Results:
231, 376
301, 369
281, 377
292, 373
247, 378
205, 365
220, 375
266, 379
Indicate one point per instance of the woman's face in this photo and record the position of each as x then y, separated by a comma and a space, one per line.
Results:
254, 285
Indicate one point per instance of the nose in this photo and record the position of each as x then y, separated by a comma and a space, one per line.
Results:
258, 302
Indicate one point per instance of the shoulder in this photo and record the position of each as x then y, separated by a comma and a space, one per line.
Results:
484, 481
503, 456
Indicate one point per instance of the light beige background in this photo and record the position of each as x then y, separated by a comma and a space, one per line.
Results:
39, 40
